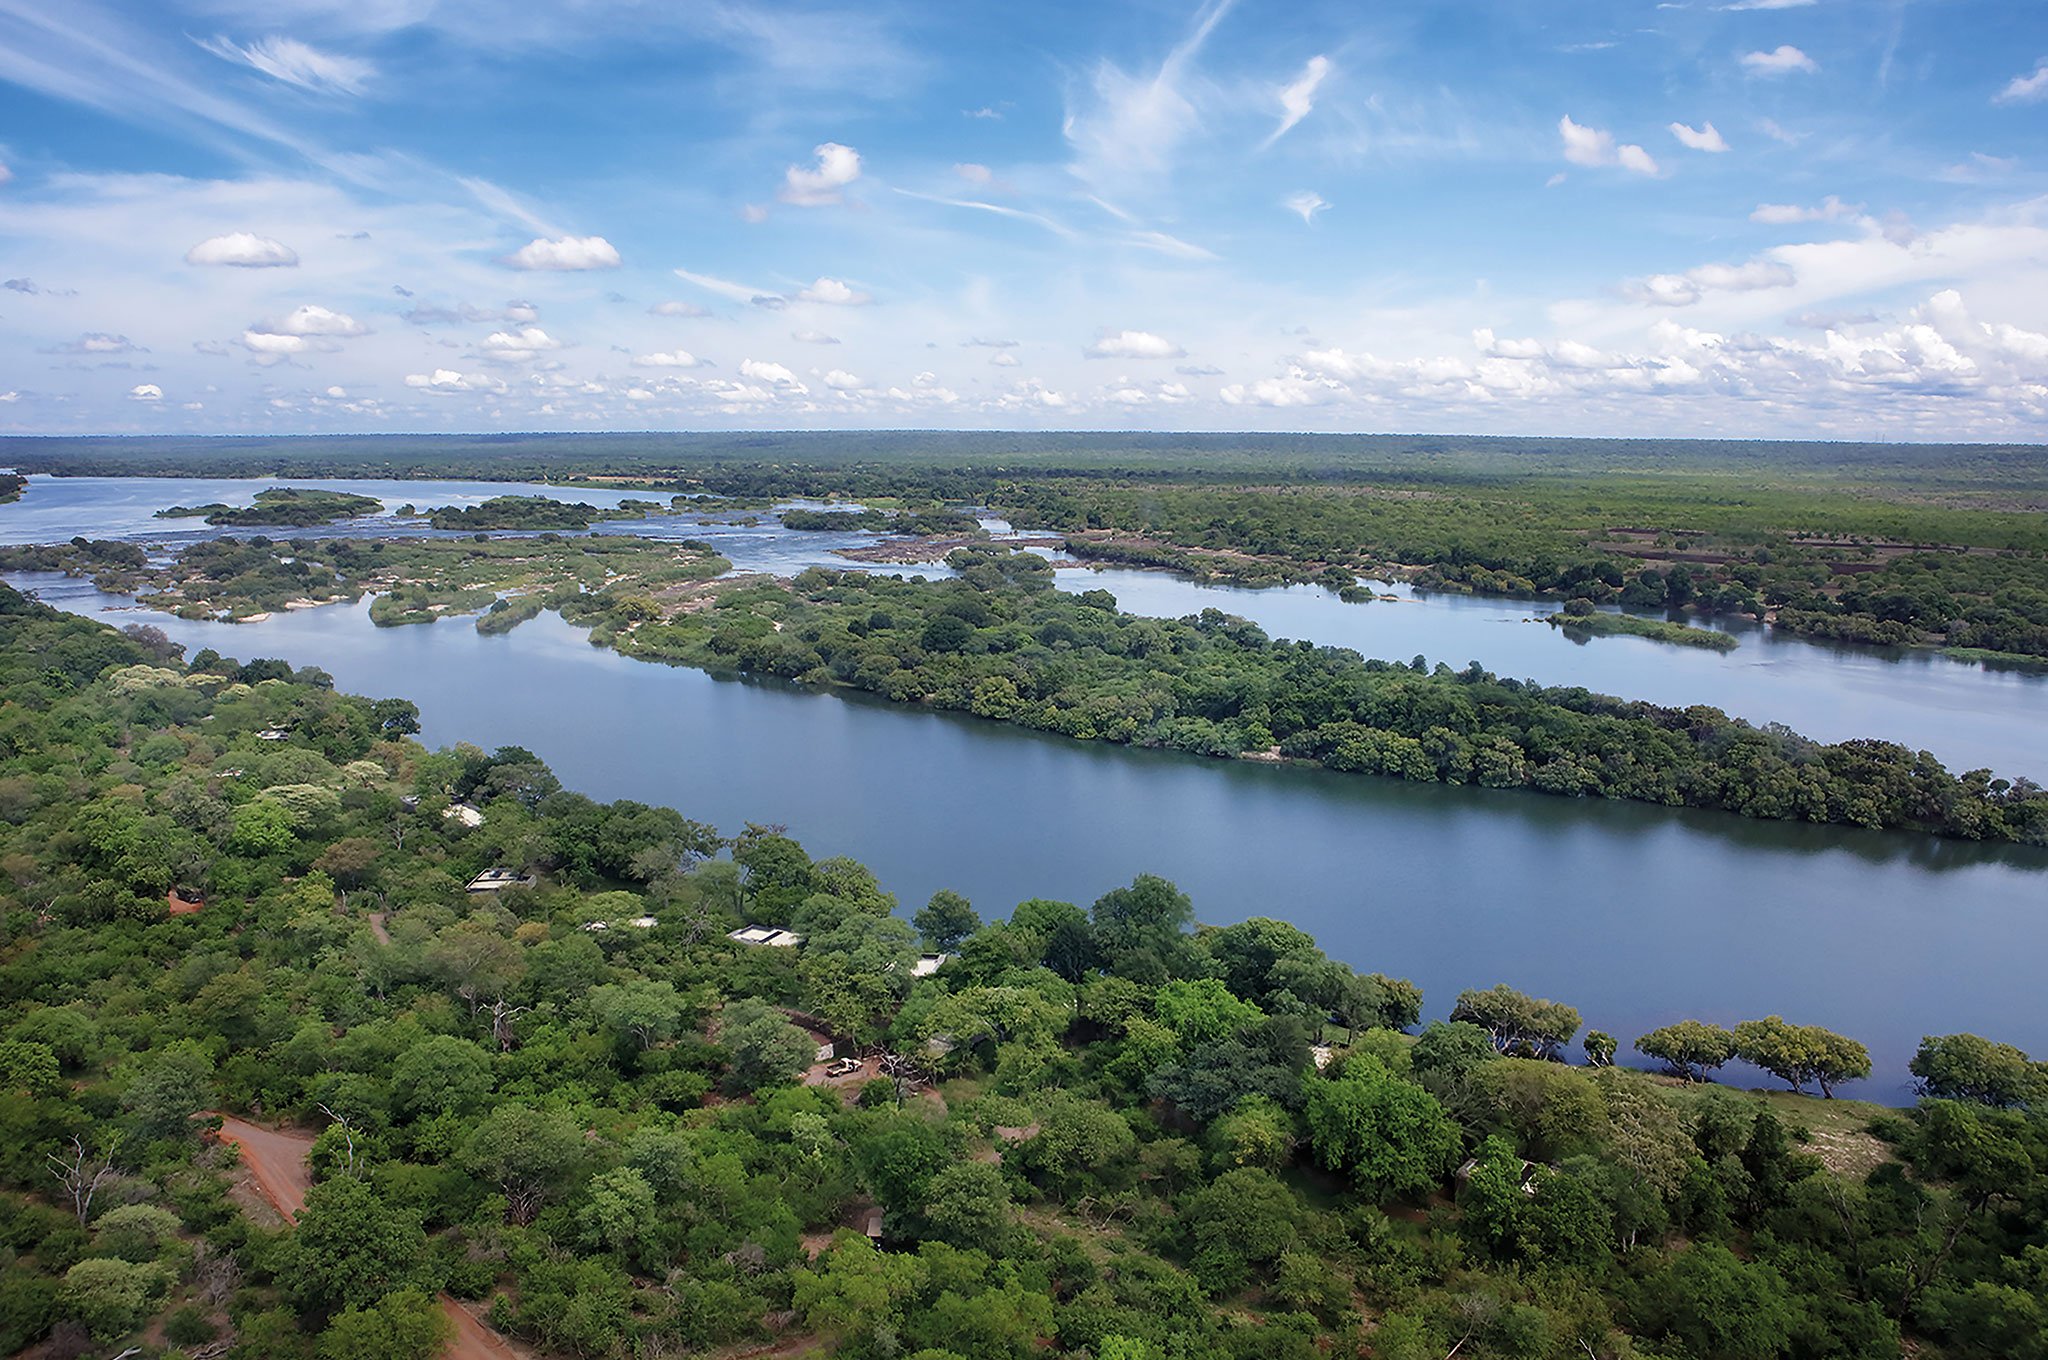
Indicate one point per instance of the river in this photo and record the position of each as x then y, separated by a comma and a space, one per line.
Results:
1637, 915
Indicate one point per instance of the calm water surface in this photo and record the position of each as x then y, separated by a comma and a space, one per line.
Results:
1637, 915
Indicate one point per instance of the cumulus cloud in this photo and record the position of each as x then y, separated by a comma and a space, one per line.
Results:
34, 289
839, 380
243, 250
1133, 345
821, 185
1783, 61
990, 344
814, 337
1298, 97
520, 344
677, 309
1831, 209
681, 358
2027, 89
1293, 389
447, 382
1198, 370
1306, 203
1596, 147
515, 311
1683, 290
569, 253
312, 319
1002, 358
1704, 138
96, 343
974, 174
294, 63
835, 292
763, 372
145, 392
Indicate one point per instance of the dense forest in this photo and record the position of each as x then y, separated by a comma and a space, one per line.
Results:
1105, 1132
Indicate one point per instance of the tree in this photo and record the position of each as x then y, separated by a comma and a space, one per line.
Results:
1139, 929
441, 1075
406, 1325
1966, 1067
1390, 1136
762, 1047
1599, 1046
968, 1204
176, 1085
1798, 1054
1690, 1048
647, 1012
349, 1247
395, 717
82, 1173
1202, 1011
525, 1152
1518, 1020
111, 1297
946, 920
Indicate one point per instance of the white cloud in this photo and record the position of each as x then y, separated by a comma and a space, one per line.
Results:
681, 358
1596, 147
1706, 138
1169, 245
762, 371
1771, 129
2025, 89
838, 166
814, 337
1831, 209
726, 288
447, 381
1134, 345
293, 62
839, 380
1298, 98
1683, 290
275, 346
974, 174
676, 309
312, 319
756, 213
521, 344
338, 393
568, 253
1002, 358
1307, 203
1134, 122
145, 392
834, 292
96, 342
1783, 61
243, 250
1979, 168
1293, 390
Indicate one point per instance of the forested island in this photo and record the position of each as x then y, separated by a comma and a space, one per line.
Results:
1104, 1132
282, 507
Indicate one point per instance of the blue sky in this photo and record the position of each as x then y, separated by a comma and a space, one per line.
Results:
1777, 218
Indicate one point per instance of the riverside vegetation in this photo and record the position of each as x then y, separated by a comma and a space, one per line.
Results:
1107, 1136
1000, 643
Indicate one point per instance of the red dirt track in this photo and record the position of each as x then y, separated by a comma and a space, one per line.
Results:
277, 1159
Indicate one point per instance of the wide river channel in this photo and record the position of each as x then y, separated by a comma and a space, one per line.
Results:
1636, 915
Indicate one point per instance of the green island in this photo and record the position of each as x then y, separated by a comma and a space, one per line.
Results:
1580, 618
494, 1046
539, 512
282, 507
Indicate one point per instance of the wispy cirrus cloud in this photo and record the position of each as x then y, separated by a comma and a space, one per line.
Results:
1298, 98
295, 63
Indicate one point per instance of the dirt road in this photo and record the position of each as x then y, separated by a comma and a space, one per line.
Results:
278, 1161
